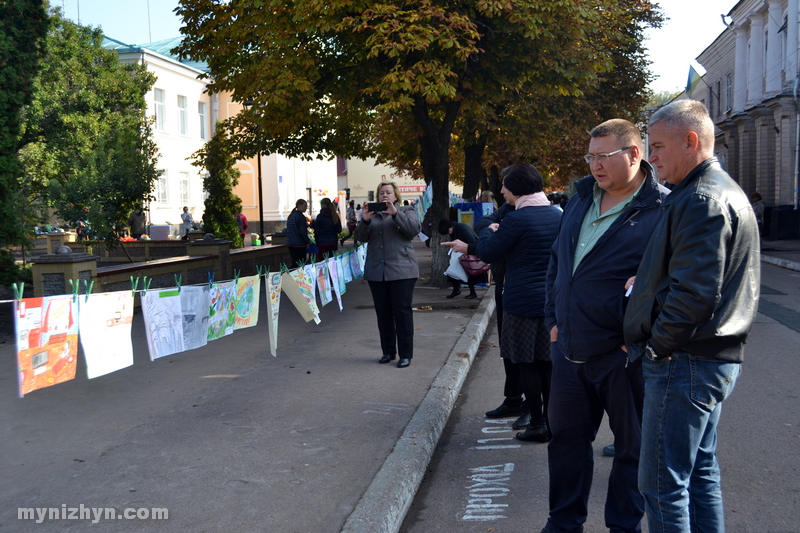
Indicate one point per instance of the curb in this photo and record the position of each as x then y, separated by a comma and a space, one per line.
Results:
777, 261
384, 505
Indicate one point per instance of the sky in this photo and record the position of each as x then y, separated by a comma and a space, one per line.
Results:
692, 27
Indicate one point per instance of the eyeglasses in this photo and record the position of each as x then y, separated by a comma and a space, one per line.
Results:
602, 158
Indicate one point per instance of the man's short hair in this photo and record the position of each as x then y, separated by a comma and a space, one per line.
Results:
522, 179
690, 114
625, 131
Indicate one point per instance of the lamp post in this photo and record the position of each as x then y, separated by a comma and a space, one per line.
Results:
246, 106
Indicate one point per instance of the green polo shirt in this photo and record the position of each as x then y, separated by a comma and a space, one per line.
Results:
595, 225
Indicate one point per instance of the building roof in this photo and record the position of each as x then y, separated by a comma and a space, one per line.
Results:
162, 48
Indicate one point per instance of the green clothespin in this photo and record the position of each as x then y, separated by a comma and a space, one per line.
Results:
260, 270
18, 291
236, 274
210, 280
87, 289
146, 284
284, 269
134, 285
178, 281
74, 287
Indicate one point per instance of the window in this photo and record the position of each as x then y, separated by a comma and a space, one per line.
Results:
728, 92
201, 114
719, 98
161, 189
158, 95
710, 102
182, 115
185, 187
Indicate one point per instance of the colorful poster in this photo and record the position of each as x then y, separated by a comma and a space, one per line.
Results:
273, 308
222, 310
306, 285
195, 302
248, 292
163, 321
323, 283
311, 273
295, 287
333, 269
342, 278
47, 341
344, 261
355, 266
362, 256
105, 332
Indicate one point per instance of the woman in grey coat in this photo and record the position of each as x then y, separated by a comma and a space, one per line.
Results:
391, 269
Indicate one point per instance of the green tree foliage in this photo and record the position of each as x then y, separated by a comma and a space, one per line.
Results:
86, 145
332, 76
222, 205
23, 25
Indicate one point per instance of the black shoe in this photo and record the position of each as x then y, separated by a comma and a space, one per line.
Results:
522, 422
403, 362
504, 411
453, 294
470, 296
609, 450
386, 358
535, 434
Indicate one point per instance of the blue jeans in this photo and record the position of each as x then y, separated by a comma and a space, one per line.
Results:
678, 471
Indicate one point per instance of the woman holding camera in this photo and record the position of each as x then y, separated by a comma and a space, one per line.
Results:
391, 269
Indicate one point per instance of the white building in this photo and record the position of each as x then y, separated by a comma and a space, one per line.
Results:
185, 116
183, 120
750, 88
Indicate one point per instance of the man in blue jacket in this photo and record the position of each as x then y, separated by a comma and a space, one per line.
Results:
604, 231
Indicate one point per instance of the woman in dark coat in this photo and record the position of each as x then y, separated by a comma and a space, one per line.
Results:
327, 228
464, 233
525, 237
391, 269
297, 233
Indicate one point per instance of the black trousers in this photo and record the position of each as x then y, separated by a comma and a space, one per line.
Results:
579, 395
513, 385
536, 384
392, 301
297, 253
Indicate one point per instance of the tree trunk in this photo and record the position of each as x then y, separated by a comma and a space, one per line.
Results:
435, 159
474, 174
496, 184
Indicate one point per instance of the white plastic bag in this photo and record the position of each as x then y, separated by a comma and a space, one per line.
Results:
455, 270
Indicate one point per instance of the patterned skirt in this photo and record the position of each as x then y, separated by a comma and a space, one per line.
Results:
524, 340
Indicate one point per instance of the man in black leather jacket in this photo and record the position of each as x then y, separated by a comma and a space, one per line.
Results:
694, 300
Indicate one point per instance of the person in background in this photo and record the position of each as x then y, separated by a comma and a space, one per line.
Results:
513, 404
693, 303
458, 231
392, 270
188, 222
758, 209
524, 239
297, 239
604, 231
487, 197
327, 227
241, 221
352, 222
138, 222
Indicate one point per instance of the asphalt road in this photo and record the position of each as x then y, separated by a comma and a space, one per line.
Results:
226, 437
481, 479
